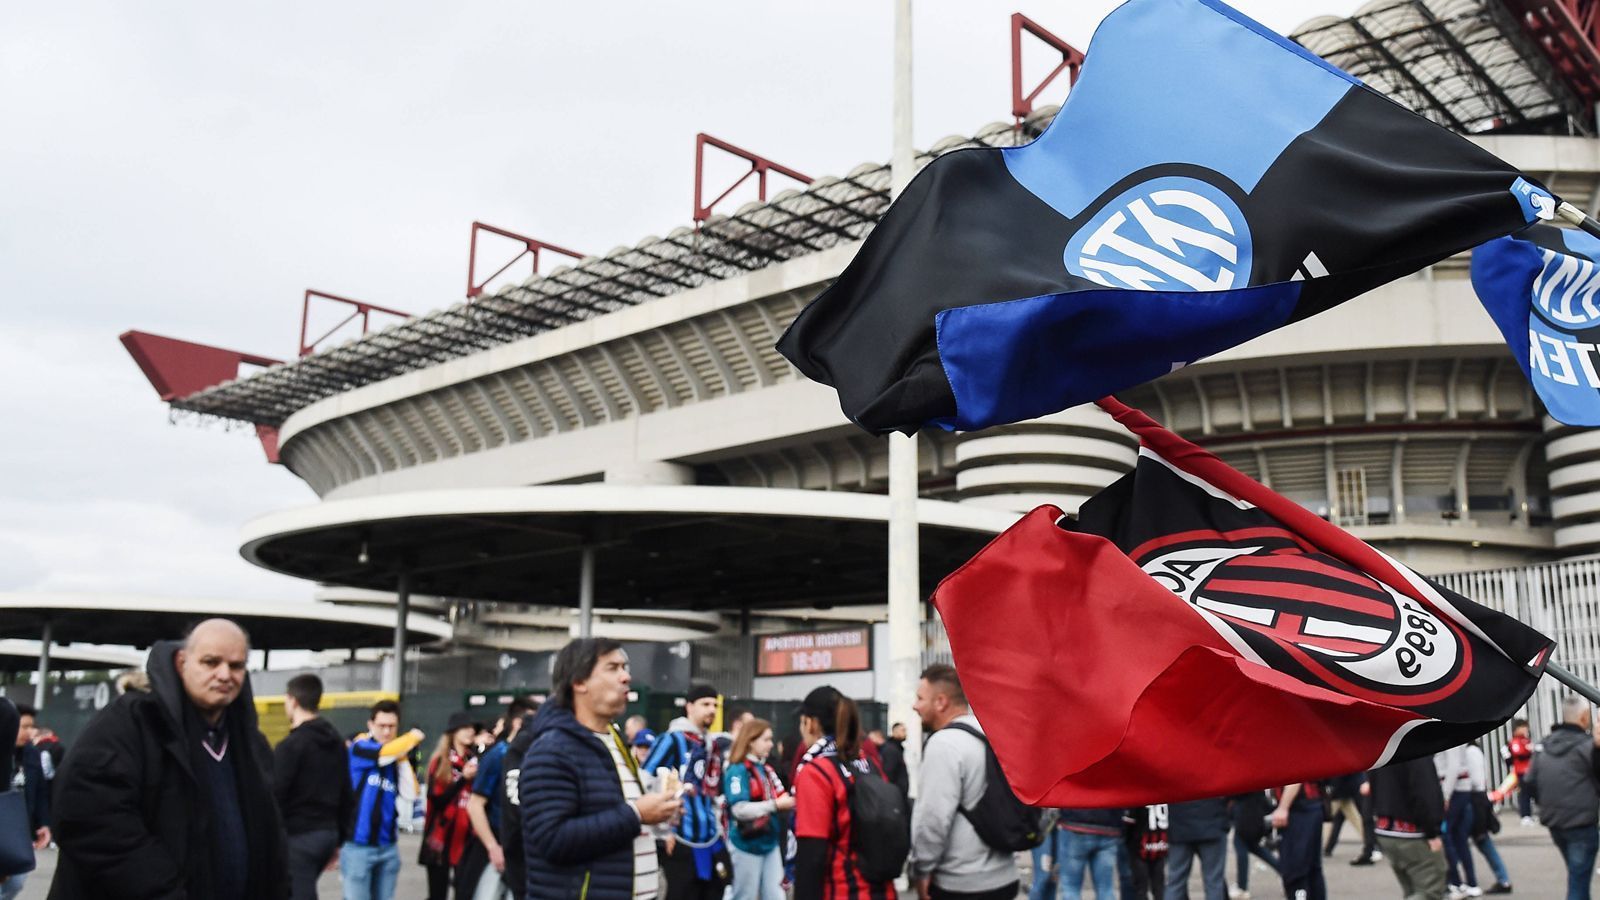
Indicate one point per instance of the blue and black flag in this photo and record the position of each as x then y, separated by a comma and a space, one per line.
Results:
1540, 287
1206, 181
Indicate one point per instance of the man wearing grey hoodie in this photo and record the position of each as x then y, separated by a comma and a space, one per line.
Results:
1564, 779
948, 858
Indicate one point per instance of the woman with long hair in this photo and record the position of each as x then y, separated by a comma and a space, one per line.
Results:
755, 796
825, 866
446, 829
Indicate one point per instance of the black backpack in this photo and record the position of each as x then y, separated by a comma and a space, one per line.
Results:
880, 823
1001, 820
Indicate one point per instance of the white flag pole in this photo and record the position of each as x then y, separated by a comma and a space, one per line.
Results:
904, 590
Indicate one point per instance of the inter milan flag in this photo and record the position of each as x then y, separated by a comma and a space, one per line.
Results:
1539, 286
1205, 182
1194, 634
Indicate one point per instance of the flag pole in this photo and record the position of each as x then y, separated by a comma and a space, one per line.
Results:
1564, 675
1575, 216
904, 591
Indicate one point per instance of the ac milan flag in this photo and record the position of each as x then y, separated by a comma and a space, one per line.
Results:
1205, 182
1194, 634
1540, 288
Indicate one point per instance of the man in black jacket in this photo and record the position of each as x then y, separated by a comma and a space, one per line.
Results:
1198, 829
1407, 812
167, 793
1564, 778
312, 788
893, 752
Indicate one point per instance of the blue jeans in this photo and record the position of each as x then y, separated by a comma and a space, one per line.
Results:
13, 886
1095, 852
1485, 845
369, 873
1457, 843
1243, 851
1577, 846
757, 876
1213, 868
1049, 848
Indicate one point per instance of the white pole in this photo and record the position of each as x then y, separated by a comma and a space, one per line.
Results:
586, 594
905, 594
42, 689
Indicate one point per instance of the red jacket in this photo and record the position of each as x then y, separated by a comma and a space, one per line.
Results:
1519, 753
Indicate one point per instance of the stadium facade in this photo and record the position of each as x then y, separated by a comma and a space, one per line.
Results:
623, 427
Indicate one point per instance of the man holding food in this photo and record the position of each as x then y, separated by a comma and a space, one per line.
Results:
585, 814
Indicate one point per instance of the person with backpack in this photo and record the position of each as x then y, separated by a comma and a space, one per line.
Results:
755, 798
851, 825
949, 857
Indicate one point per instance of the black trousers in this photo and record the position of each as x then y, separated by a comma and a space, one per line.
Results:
683, 881
1009, 892
308, 856
1300, 854
438, 880
474, 859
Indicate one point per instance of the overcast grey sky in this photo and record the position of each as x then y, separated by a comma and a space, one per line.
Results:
189, 169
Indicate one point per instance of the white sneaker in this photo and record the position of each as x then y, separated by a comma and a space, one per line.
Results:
1472, 891
1526, 821
1456, 892
1377, 855
1237, 893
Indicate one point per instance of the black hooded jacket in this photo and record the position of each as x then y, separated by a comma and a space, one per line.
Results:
132, 817
313, 780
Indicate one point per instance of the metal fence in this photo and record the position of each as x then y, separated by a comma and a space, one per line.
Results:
1560, 599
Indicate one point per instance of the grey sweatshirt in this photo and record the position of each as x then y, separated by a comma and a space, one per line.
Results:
943, 843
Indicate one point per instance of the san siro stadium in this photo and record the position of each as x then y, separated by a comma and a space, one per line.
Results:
614, 445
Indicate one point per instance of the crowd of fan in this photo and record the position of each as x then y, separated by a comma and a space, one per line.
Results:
172, 791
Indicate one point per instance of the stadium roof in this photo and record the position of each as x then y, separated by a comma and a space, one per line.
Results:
1465, 64
23, 656
142, 620
793, 223
657, 546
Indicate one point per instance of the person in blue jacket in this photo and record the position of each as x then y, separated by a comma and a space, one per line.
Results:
585, 814
755, 797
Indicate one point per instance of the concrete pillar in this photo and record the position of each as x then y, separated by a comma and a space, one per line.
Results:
402, 607
586, 594
41, 690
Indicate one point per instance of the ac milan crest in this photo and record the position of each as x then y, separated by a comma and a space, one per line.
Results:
1284, 604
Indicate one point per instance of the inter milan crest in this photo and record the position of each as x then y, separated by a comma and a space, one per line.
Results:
1171, 233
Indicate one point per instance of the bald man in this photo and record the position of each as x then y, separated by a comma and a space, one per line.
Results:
168, 793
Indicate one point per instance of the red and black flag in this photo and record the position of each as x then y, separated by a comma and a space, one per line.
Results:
1205, 182
1193, 634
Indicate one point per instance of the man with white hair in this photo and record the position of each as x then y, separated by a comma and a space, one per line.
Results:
1565, 780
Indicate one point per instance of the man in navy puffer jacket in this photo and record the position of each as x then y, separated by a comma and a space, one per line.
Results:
584, 810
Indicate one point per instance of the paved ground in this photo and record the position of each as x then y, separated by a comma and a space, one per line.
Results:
1535, 867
